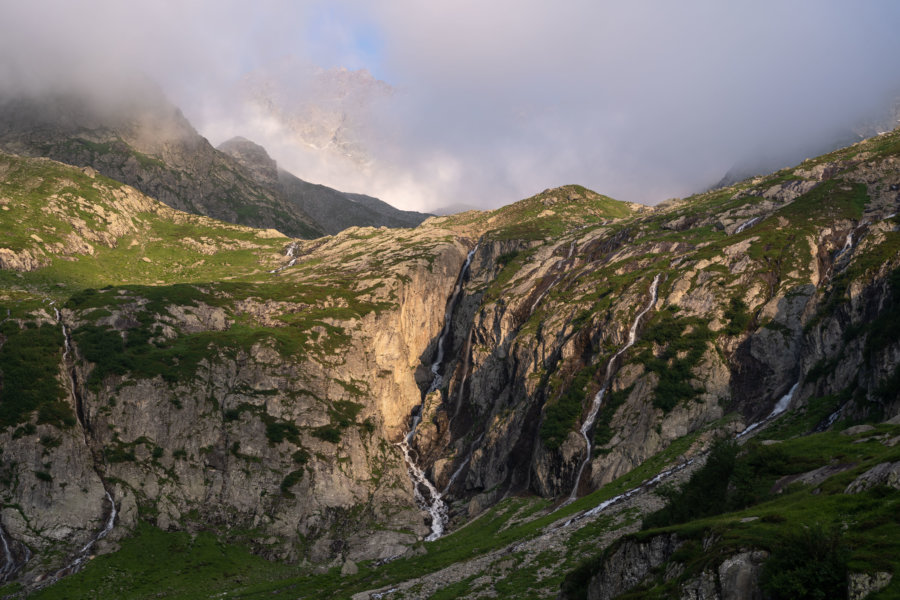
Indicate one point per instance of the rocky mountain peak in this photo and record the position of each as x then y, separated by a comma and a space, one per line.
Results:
253, 157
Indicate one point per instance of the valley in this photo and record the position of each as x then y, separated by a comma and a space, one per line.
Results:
493, 403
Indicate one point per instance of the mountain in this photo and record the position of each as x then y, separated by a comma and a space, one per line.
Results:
568, 396
332, 210
328, 112
144, 141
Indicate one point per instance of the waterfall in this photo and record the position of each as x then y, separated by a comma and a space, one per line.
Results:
84, 553
431, 500
598, 398
462, 464
290, 252
541, 296
782, 405
437, 378
10, 565
625, 495
747, 225
848, 245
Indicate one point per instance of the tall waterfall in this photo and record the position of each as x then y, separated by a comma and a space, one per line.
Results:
598, 397
426, 494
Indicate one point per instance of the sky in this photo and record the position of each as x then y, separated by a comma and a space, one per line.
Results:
484, 103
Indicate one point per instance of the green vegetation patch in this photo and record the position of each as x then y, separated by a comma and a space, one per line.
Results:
807, 562
155, 564
561, 415
681, 344
553, 212
724, 483
815, 533
737, 317
29, 364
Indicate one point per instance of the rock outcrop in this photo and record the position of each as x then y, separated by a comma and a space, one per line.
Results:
629, 564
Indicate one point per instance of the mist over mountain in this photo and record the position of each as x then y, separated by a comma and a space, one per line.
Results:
220, 380
644, 102
141, 139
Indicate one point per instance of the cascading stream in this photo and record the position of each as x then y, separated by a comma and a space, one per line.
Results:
10, 565
598, 398
82, 556
782, 405
746, 225
462, 464
290, 252
85, 552
431, 500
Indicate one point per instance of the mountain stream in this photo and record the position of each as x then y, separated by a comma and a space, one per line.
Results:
598, 398
426, 493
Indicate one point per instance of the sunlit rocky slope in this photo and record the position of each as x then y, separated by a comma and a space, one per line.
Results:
167, 369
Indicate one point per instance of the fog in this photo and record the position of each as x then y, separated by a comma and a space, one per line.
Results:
483, 104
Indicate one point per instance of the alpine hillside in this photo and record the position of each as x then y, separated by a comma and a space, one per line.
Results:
570, 396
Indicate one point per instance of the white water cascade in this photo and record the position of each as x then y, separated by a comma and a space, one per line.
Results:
782, 405
9, 565
747, 225
84, 553
832, 418
848, 243
625, 495
462, 464
290, 252
67, 349
541, 296
598, 398
432, 500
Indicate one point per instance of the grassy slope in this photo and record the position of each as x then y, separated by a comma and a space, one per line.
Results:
868, 520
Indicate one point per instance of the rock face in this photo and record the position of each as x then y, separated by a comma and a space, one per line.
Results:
254, 157
862, 585
632, 563
629, 564
541, 321
886, 474
737, 578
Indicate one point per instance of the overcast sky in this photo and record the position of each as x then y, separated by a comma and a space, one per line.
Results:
495, 101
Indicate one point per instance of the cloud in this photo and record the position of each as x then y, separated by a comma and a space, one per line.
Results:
495, 101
